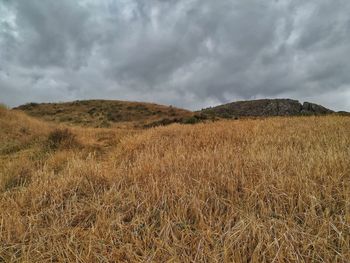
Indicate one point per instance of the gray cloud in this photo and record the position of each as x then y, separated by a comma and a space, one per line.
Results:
189, 53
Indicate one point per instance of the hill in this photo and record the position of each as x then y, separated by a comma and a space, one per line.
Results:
104, 113
266, 190
266, 107
107, 113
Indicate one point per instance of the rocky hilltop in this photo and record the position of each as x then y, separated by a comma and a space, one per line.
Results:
266, 107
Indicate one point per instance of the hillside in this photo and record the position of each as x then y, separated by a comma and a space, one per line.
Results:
266, 107
124, 114
253, 190
19, 132
28, 144
104, 113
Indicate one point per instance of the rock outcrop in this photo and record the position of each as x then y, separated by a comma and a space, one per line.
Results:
266, 107
312, 108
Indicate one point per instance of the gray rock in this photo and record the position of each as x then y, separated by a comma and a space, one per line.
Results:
266, 107
312, 108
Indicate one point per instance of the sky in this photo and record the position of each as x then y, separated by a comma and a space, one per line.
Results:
186, 53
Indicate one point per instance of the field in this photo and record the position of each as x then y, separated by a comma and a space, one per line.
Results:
262, 190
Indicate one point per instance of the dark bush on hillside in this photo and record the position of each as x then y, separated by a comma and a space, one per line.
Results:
190, 120
162, 122
226, 115
195, 119
139, 108
31, 105
62, 138
114, 116
92, 111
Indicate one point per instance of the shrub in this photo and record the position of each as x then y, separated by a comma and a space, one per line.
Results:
190, 120
195, 119
92, 111
29, 106
114, 116
226, 115
62, 138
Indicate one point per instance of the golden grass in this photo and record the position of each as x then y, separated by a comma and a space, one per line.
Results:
273, 190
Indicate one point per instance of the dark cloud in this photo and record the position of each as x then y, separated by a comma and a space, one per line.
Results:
189, 53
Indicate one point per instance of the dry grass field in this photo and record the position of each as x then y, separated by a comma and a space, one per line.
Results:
264, 190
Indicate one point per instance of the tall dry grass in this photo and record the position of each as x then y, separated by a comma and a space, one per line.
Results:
274, 190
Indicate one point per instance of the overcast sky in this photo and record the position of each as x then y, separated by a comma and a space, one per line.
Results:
187, 53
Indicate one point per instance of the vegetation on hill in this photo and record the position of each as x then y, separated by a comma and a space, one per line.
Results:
266, 190
104, 113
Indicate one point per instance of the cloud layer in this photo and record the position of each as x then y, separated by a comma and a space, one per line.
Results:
188, 53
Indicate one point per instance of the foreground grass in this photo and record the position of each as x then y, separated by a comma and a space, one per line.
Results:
274, 190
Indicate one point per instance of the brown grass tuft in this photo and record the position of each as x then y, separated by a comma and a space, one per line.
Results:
62, 138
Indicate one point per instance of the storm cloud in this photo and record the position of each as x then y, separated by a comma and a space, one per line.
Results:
188, 53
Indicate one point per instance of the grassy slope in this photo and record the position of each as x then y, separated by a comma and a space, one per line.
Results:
103, 113
243, 191
26, 145
18, 131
